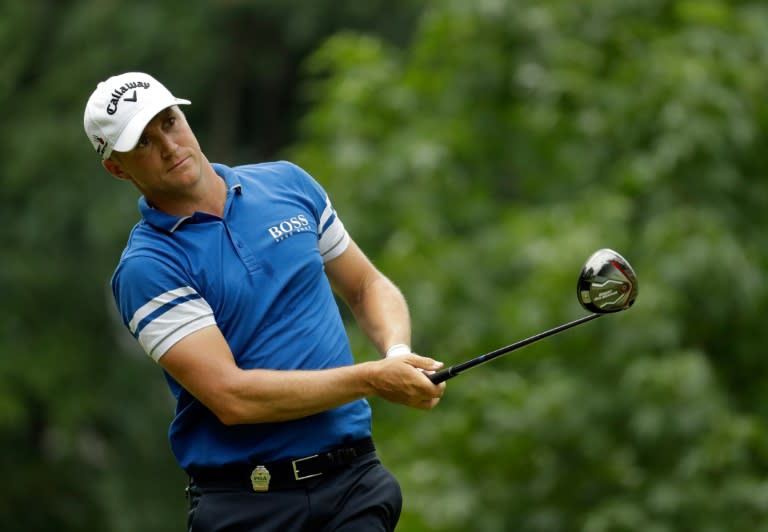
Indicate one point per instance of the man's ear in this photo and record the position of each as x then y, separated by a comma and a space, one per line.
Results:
115, 169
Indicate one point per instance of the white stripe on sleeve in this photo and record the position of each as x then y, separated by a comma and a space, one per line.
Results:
182, 317
163, 344
327, 213
157, 302
334, 238
334, 241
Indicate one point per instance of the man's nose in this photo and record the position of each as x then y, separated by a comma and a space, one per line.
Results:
168, 145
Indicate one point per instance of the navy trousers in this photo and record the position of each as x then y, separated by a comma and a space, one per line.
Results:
363, 496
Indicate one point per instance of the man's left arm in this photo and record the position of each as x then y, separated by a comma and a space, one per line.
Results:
378, 305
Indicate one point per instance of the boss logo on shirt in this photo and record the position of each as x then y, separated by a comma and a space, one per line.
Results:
289, 227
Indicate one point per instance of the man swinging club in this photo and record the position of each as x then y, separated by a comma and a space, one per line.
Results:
227, 282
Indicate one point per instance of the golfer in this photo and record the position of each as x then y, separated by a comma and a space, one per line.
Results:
228, 283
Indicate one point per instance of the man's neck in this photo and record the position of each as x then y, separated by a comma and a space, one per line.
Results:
208, 195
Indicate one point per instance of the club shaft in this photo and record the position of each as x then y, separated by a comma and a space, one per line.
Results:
452, 371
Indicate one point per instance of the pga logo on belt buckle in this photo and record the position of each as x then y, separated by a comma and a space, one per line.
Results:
260, 478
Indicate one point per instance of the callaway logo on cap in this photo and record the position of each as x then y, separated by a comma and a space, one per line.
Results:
121, 107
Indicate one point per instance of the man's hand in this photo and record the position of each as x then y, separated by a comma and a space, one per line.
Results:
403, 379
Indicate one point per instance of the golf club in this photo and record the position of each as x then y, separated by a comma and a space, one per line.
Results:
606, 284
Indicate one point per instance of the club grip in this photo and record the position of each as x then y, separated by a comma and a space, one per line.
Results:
440, 376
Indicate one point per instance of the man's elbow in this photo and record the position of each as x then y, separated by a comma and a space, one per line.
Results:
234, 402
232, 409
229, 416
228, 406
245, 414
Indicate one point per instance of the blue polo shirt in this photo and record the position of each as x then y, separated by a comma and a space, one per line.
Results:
257, 274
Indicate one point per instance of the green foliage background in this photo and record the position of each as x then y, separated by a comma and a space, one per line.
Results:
479, 152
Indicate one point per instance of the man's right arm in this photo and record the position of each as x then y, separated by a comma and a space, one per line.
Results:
203, 364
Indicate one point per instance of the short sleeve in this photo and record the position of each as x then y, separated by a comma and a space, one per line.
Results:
157, 304
333, 238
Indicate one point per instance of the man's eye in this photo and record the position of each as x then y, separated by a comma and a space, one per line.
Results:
142, 142
170, 121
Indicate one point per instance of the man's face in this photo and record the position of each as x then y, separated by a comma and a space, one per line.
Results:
167, 159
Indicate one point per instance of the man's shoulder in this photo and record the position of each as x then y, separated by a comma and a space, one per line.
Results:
266, 169
273, 172
148, 254
144, 240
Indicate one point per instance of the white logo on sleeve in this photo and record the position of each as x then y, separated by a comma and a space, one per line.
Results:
289, 227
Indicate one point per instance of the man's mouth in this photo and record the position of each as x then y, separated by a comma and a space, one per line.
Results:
175, 166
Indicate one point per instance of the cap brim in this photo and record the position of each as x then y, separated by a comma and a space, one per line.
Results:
132, 132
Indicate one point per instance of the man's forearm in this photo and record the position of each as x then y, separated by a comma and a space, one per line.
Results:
382, 314
263, 396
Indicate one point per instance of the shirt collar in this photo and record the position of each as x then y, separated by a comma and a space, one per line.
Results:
229, 176
170, 223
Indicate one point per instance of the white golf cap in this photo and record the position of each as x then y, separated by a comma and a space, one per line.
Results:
121, 107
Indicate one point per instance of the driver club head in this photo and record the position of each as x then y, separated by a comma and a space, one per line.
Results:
607, 283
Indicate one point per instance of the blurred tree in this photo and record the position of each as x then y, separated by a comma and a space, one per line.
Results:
479, 162
479, 168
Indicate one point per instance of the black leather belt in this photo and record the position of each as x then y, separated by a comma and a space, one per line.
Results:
283, 474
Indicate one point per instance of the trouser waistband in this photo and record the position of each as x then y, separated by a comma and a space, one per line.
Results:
283, 474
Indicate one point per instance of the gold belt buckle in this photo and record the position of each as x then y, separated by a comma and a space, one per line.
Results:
260, 478
296, 469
